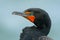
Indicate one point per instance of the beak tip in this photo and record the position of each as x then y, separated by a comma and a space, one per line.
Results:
17, 13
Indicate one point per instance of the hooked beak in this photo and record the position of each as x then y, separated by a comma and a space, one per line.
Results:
18, 13
31, 18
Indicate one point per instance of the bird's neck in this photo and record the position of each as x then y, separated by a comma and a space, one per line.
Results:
39, 26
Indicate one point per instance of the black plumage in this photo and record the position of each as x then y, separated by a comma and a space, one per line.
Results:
42, 22
42, 28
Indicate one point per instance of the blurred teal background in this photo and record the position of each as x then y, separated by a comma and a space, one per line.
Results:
11, 25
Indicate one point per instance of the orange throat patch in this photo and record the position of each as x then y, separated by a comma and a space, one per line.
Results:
31, 18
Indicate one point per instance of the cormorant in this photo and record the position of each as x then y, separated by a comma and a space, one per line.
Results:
41, 20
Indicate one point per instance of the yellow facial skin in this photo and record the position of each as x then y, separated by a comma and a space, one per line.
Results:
27, 12
29, 17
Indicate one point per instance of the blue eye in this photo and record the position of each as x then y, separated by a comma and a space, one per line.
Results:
31, 13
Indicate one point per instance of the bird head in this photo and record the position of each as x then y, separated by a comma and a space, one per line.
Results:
26, 14
37, 16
